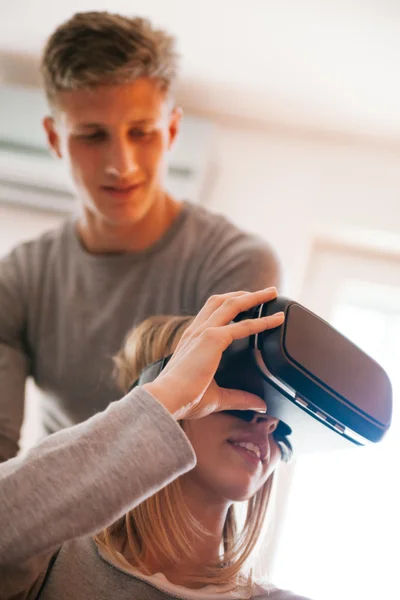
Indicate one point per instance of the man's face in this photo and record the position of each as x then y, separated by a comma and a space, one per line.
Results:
115, 140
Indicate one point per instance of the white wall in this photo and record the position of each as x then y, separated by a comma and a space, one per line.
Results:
292, 189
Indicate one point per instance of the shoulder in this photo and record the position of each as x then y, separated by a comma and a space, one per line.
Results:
27, 257
43, 243
219, 236
210, 222
225, 257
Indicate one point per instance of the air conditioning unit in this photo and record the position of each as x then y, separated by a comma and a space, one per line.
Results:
30, 175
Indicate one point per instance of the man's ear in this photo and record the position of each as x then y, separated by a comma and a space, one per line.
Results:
174, 125
52, 136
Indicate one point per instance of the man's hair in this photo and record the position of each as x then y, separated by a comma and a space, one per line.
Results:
100, 48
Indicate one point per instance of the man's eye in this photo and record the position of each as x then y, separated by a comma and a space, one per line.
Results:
93, 137
140, 133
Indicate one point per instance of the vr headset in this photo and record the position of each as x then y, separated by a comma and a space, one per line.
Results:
326, 392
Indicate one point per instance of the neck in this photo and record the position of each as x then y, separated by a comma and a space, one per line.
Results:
212, 516
100, 236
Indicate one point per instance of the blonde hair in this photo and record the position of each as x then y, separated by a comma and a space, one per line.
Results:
158, 525
101, 48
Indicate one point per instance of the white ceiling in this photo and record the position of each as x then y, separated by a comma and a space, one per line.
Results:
322, 64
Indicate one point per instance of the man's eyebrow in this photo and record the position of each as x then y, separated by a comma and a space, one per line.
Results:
90, 125
100, 125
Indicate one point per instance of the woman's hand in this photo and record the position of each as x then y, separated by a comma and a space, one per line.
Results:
186, 386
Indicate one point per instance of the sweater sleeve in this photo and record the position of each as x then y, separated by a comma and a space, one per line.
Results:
81, 479
14, 361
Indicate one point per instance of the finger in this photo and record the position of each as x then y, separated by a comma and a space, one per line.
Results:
240, 400
213, 304
233, 306
224, 336
249, 327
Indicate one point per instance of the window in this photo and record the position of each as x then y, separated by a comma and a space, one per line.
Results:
341, 530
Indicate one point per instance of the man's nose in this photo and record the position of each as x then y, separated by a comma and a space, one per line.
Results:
123, 160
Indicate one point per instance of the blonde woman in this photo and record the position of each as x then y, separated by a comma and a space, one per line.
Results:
138, 501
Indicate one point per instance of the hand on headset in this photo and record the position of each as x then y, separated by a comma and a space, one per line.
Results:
186, 386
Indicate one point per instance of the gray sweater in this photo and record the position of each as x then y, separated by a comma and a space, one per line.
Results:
64, 312
74, 483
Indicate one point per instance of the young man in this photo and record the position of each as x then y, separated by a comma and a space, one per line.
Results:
68, 298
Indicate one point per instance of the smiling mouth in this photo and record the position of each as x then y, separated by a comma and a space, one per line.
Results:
121, 190
251, 452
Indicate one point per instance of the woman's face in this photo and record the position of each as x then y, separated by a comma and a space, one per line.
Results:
234, 457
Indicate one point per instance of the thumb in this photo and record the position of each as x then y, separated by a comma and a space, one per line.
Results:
240, 400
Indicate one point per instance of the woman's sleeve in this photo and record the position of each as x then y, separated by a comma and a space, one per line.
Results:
81, 479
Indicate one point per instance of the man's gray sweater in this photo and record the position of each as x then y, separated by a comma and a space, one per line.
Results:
65, 312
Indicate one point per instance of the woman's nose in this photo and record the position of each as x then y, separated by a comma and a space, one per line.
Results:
270, 423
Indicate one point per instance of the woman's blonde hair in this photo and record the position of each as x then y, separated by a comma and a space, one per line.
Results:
158, 525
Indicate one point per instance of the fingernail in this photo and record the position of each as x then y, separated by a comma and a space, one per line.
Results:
278, 314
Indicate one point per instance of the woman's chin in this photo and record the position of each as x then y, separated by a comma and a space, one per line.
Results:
238, 491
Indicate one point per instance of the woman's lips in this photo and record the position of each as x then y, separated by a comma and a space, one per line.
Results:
246, 454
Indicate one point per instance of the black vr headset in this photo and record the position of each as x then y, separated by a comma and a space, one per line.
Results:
326, 392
